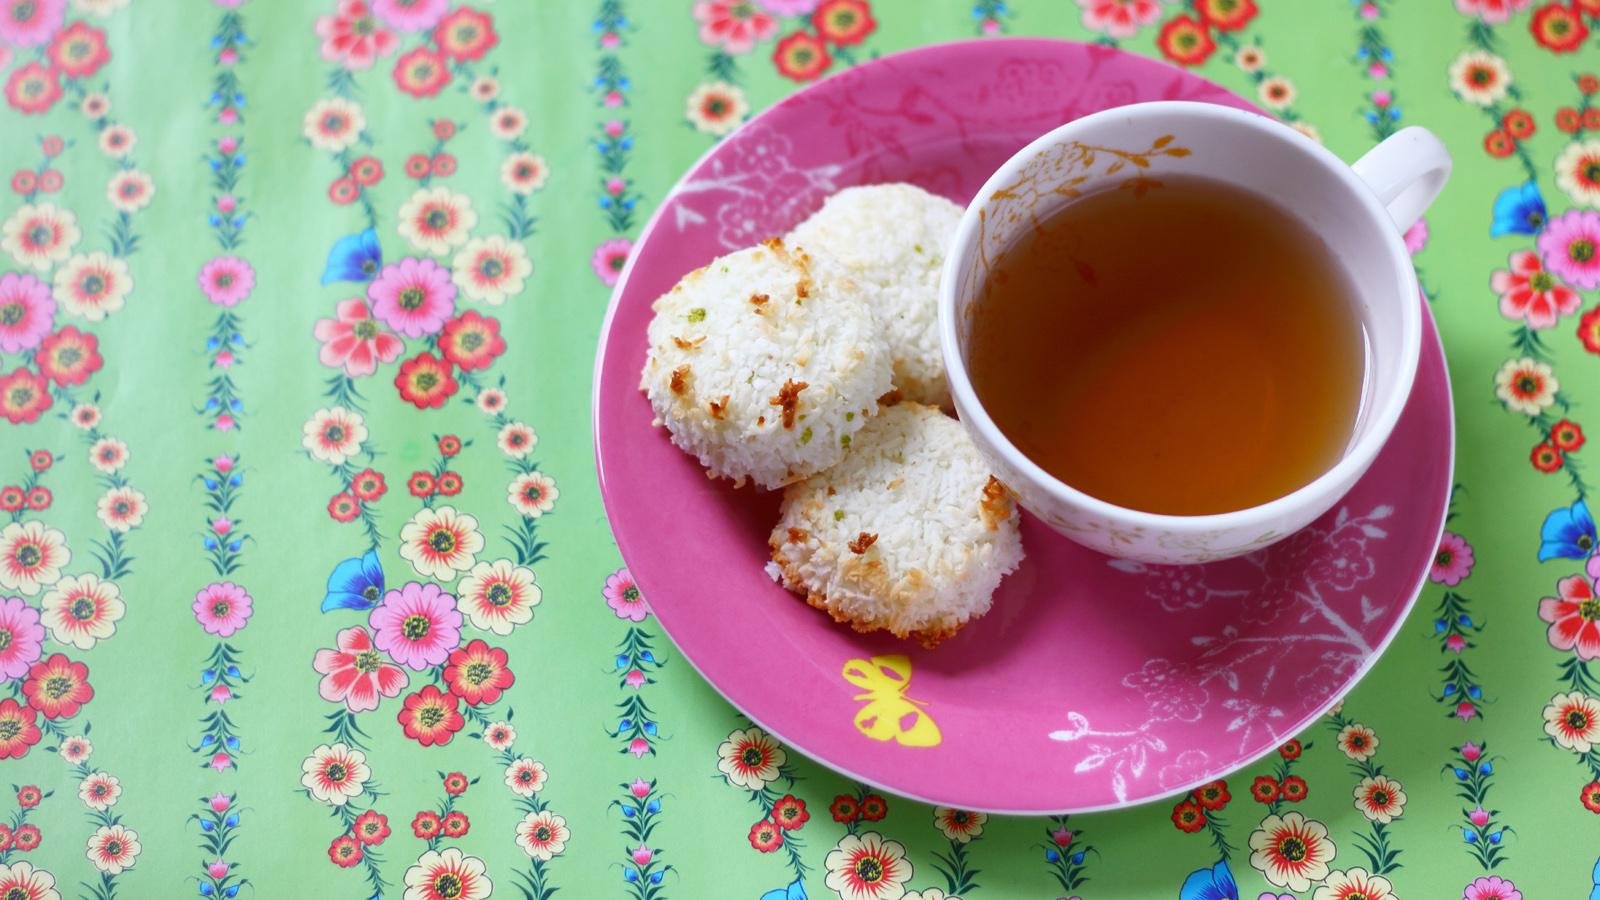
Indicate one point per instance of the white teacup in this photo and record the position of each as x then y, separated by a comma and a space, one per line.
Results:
1360, 211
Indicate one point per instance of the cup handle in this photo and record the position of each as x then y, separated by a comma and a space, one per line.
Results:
1407, 171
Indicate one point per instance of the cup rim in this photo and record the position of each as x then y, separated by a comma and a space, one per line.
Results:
1389, 399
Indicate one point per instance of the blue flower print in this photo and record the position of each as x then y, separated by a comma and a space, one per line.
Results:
1518, 210
356, 257
356, 583
1567, 533
795, 891
1215, 883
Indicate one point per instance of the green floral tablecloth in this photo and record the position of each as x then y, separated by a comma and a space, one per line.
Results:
298, 301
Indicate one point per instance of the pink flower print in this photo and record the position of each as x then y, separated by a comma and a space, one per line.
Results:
353, 37
610, 41
227, 280
1369, 11
1268, 895
1478, 817
1465, 710
1530, 293
609, 258
1453, 561
638, 747
642, 855
990, 27
789, 7
411, 15
227, 116
634, 679
417, 625
225, 422
1491, 887
22, 637
227, 204
1570, 246
218, 868
1574, 616
30, 23
613, 99
614, 128
222, 608
355, 673
220, 802
228, 56
222, 525
1455, 643
27, 311
221, 694
1492, 11
1416, 237
640, 788
1119, 18
224, 359
355, 340
734, 25
413, 296
1381, 98
623, 596
223, 463
221, 762
1471, 752
1379, 71
615, 186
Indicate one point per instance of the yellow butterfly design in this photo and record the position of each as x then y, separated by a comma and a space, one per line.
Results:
889, 714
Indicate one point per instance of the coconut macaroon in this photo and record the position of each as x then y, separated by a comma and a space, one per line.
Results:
762, 368
909, 534
890, 241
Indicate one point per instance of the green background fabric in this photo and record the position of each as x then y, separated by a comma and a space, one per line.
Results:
150, 706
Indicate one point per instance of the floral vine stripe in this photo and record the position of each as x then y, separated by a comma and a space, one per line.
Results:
298, 302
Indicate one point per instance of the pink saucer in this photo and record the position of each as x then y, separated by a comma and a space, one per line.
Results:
1093, 683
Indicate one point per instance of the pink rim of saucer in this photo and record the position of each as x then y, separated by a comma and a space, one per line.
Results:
1193, 672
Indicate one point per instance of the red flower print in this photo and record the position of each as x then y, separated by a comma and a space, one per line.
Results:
789, 812
1530, 292
1293, 788
420, 484
734, 25
28, 796
40, 460
51, 181
1568, 120
1264, 789
1188, 816
39, 497
418, 166
367, 170
477, 673
449, 484
844, 22
353, 36
344, 507
79, 50
1226, 15
844, 809
1574, 617
1452, 562
68, 356
1546, 458
24, 396
422, 72
873, 808
5, 837
455, 784
1588, 84
1519, 124
471, 341
354, 340
425, 381
32, 89
19, 729
370, 828
345, 851
801, 56
57, 687
1185, 41
427, 825
344, 190
442, 165
1589, 330
455, 824
1589, 796
449, 445
1558, 28
443, 129
368, 485
1499, 144
1212, 796
1591, 118
1290, 750
12, 498
1567, 436
24, 182
431, 716
26, 838
766, 836
465, 33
